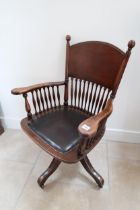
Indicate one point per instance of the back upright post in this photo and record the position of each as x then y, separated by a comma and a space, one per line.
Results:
131, 44
68, 38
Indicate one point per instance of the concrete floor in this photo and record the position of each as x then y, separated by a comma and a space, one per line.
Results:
70, 187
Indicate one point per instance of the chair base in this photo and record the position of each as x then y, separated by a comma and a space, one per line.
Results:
50, 170
86, 164
89, 168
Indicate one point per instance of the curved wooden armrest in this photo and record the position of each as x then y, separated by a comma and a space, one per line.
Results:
88, 128
22, 90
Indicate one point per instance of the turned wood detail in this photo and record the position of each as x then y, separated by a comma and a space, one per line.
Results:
131, 44
89, 168
27, 105
87, 144
50, 170
87, 96
42, 99
68, 38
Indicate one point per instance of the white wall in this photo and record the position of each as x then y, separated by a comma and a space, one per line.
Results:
32, 49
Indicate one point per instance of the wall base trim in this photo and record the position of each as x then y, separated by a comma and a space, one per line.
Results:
10, 123
121, 135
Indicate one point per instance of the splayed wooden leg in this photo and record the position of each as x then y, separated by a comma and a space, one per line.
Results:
89, 168
50, 170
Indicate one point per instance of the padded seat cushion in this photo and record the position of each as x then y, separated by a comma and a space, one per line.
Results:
58, 127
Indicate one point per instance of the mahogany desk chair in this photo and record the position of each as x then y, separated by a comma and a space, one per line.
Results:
69, 127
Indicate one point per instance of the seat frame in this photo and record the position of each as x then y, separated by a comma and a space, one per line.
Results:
96, 122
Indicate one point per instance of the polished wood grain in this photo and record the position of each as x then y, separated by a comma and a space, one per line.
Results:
41, 97
94, 121
89, 168
87, 96
100, 59
22, 90
93, 72
50, 170
68, 38
27, 105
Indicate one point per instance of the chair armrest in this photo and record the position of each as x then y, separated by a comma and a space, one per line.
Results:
23, 90
88, 128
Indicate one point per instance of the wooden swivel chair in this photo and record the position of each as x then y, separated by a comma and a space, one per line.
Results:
68, 126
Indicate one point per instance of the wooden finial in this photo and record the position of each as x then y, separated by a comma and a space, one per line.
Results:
68, 38
131, 44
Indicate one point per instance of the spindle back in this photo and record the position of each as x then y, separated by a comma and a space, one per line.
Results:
87, 96
93, 73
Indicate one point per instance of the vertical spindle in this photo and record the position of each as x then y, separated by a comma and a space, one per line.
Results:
27, 106
79, 94
58, 95
97, 100
90, 96
107, 95
34, 102
83, 94
46, 99
75, 92
53, 94
38, 100
94, 97
50, 100
71, 91
86, 96
42, 100
101, 100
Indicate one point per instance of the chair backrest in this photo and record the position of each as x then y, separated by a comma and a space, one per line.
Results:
94, 70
